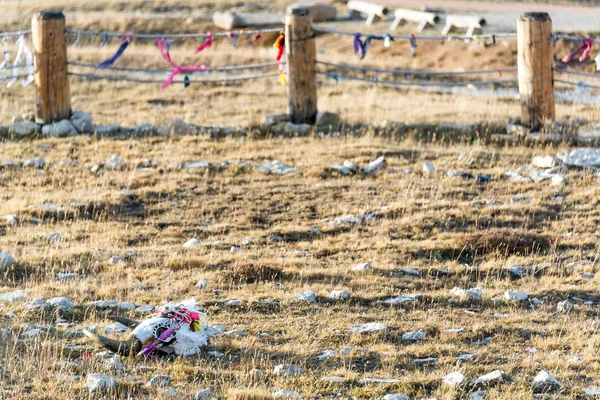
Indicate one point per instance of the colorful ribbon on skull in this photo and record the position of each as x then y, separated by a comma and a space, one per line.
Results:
177, 69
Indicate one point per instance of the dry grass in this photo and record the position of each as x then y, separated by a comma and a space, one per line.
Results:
505, 242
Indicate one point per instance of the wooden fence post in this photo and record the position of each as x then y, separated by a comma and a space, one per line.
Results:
535, 61
52, 92
301, 53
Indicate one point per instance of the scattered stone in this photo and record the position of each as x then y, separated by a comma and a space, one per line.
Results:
235, 332
400, 299
370, 381
145, 130
454, 379
61, 302
467, 294
257, 374
62, 128
515, 295
37, 304
374, 166
545, 383
286, 394
35, 163
105, 304
53, 238
395, 396
82, 121
339, 295
202, 284
362, 267
564, 306
545, 162
179, 127
11, 219
371, 327
424, 362
333, 379
413, 336
591, 391
106, 130
10, 164
275, 167
196, 165
13, 297
288, 370
325, 354
117, 327
465, 357
518, 271
162, 381
429, 168
66, 276
6, 260
488, 380
558, 180
478, 395
126, 306
25, 128
234, 303
308, 297
114, 162
347, 220
581, 158
114, 260
296, 129
144, 309
204, 394
100, 382
455, 331
192, 243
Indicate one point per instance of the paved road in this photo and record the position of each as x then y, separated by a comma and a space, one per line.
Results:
502, 17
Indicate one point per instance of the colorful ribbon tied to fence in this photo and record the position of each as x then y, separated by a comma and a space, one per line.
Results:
280, 46
207, 43
125, 40
585, 49
177, 69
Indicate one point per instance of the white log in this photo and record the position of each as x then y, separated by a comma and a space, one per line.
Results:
229, 20
421, 17
469, 22
320, 12
372, 10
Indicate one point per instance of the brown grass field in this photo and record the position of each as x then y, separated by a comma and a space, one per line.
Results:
439, 226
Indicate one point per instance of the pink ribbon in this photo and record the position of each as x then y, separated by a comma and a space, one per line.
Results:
177, 69
207, 43
586, 47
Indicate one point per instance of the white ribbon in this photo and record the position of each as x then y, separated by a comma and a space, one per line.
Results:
24, 57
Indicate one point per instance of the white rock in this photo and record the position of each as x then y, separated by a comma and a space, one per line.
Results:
204, 394
558, 180
428, 168
515, 295
582, 158
114, 260
468, 294
308, 296
82, 121
192, 243
325, 354
400, 299
371, 381
374, 166
234, 249
25, 128
288, 370
202, 284
66, 276
454, 379
351, 166
465, 356
414, 336
159, 381
235, 332
6, 260
11, 219
339, 295
105, 304
144, 309
490, 379
286, 394
100, 382
275, 167
395, 396
333, 379
13, 297
35, 163
545, 383
371, 327
113, 162
478, 395
545, 162
115, 328
362, 267
62, 128
564, 306
63, 302
591, 391
196, 165
53, 238
234, 303
349, 219
126, 306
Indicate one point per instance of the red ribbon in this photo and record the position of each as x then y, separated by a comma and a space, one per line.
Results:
586, 47
207, 43
177, 69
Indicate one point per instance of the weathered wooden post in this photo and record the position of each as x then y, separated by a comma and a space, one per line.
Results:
52, 92
535, 59
301, 52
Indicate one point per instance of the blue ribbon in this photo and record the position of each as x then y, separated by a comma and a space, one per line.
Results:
359, 46
110, 61
105, 40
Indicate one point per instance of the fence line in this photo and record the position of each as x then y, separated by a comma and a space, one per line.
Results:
169, 70
415, 83
122, 78
415, 72
172, 36
585, 84
324, 31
